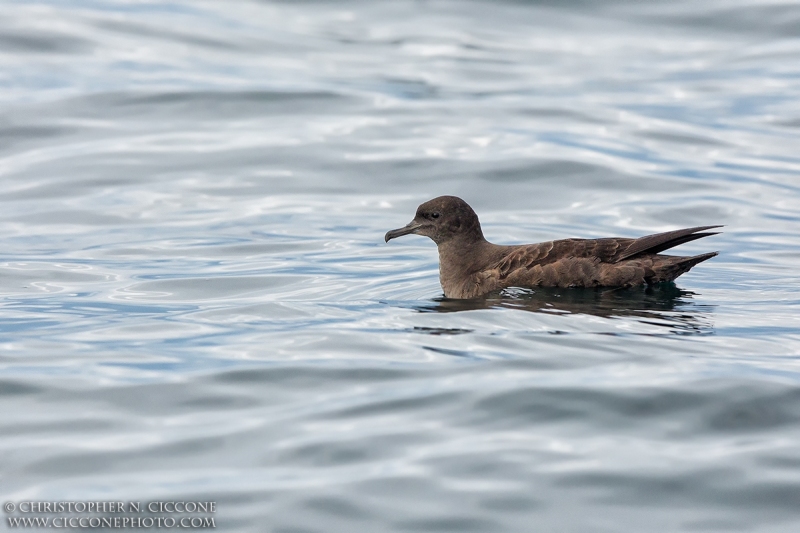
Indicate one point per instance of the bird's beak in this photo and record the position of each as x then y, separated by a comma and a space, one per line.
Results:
411, 227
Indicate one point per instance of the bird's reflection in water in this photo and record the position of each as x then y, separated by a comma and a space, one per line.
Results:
661, 305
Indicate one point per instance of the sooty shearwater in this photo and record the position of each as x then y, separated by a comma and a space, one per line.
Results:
470, 266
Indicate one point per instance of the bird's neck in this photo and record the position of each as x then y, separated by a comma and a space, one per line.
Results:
461, 258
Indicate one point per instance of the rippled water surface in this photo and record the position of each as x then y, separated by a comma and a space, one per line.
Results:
196, 301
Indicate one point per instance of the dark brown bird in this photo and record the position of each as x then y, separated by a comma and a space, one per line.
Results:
470, 266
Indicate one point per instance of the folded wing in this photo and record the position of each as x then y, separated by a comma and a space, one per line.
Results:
653, 244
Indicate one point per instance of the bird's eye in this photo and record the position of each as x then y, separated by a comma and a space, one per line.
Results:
434, 215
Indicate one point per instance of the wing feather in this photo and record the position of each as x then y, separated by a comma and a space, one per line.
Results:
653, 244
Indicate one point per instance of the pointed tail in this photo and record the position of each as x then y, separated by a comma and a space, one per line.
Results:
674, 266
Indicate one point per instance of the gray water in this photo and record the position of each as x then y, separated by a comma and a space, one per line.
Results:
196, 302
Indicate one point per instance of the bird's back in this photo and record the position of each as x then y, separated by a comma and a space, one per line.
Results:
608, 262
588, 263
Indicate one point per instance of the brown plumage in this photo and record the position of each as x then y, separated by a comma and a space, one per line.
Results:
471, 266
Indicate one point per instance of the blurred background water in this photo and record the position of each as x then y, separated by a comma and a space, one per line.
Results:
196, 301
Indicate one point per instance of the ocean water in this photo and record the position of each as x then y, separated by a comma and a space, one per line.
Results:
196, 302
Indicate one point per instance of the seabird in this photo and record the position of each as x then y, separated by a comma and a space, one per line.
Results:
470, 266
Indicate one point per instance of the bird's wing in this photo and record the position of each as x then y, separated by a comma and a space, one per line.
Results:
653, 244
531, 255
610, 250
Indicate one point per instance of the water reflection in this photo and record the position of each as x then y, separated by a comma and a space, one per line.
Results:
661, 305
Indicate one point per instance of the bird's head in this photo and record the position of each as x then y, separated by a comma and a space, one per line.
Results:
442, 219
